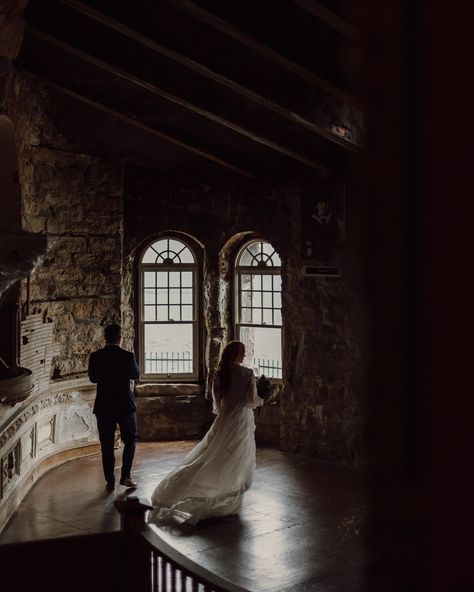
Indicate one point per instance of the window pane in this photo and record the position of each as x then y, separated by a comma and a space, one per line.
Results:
162, 278
255, 248
175, 246
246, 298
277, 317
245, 281
175, 295
263, 350
186, 256
267, 299
267, 316
257, 282
174, 313
161, 245
276, 260
162, 313
175, 279
256, 315
187, 279
187, 312
162, 296
149, 296
149, 313
277, 283
268, 249
267, 282
245, 259
256, 299
277, 300
149, 256
246, 315
168, 349
187, 296
149, 279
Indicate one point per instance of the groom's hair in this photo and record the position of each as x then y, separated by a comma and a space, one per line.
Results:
113, 333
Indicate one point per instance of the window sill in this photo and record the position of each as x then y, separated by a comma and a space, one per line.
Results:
166, 389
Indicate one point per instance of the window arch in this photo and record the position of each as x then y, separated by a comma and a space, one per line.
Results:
168, 305
258, 306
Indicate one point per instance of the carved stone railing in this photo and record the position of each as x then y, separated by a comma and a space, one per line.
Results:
152, 565
43, 431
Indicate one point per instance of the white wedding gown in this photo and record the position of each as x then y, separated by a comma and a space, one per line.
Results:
212, 478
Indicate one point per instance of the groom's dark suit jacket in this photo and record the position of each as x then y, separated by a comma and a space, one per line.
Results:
112, 368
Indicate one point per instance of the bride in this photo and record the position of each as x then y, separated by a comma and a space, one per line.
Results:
212, 478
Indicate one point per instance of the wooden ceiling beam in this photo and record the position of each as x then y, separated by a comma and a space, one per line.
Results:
162, 94
146, 128
210, 74
329, 18
229, 30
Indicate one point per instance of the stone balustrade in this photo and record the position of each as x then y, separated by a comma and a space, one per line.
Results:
45, 430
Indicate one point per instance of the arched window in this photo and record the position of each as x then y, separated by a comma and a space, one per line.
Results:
168, 311
258, 306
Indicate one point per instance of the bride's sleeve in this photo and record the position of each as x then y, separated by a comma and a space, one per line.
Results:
215, 395
252, 400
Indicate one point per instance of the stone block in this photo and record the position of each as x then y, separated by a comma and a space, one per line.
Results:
173, 418
166, 389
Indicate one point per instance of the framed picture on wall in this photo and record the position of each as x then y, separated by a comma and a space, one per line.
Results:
323, 227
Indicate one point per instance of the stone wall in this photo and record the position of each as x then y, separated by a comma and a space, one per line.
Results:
75, 200
320, 402
88, 276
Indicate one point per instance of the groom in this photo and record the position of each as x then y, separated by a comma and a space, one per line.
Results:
112, 368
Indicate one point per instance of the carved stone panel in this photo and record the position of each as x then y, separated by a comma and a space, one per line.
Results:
28, 447
10, 467
32, 442
76, 422
46, 433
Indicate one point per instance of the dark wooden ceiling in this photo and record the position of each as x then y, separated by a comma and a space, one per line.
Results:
254, 87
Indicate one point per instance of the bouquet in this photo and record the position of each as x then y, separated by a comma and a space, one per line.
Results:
266, 390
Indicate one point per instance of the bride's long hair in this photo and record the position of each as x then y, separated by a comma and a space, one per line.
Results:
229, 357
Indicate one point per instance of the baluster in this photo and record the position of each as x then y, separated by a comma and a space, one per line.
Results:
159, 585
151, 572
156, 574
195, 584
183, 581
163, 579
173, 577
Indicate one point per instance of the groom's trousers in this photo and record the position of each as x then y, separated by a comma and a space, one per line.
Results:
107, 425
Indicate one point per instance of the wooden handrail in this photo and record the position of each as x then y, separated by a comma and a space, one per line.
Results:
144, 548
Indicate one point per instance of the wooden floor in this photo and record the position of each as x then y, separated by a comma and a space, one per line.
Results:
300, 528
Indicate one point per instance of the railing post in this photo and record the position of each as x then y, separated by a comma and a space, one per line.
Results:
136, 558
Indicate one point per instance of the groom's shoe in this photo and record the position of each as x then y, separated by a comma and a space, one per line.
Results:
110, 485
128, 482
